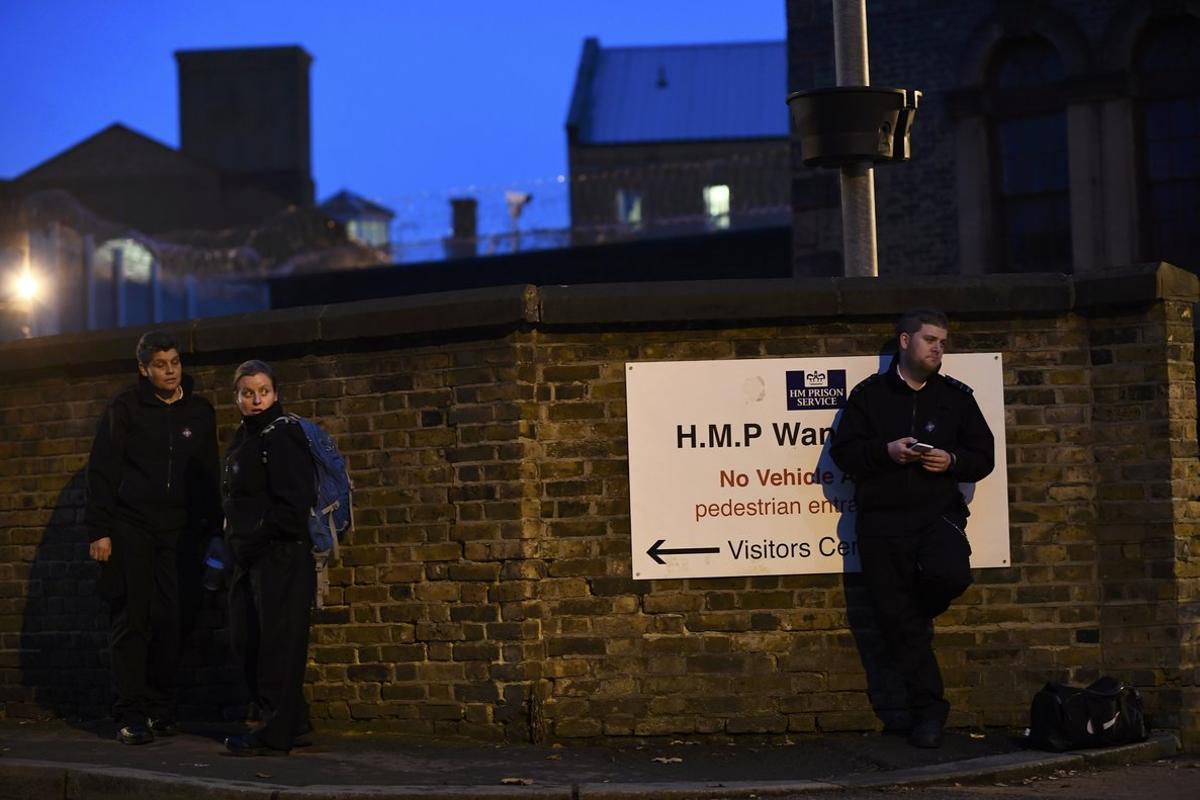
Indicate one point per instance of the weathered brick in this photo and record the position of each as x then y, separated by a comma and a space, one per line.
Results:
492, 539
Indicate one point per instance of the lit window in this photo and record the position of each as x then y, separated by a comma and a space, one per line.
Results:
135, 259
716, 205
370, 232
129, 299
629, 208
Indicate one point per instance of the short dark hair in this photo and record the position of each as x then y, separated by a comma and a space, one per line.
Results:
254, 367
152, 342
911, 321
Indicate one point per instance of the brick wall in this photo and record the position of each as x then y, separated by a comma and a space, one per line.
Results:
486, 589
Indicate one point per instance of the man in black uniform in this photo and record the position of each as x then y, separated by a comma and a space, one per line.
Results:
152, 481
907, 438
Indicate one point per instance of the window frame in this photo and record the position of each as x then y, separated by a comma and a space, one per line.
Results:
1003, 104
1148, 88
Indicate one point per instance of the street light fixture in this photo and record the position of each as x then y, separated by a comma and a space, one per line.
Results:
26, 286
24, 292
854, 126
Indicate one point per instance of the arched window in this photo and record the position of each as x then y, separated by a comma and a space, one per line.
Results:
1030, 172
1167, 63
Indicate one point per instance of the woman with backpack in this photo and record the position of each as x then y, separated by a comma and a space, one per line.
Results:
268, 490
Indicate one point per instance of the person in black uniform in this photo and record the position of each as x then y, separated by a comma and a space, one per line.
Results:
152, 483
911, 516
269, 486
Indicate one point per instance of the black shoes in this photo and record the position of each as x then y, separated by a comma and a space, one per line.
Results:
249, 745
161, 726
303, 737
926, 734
135, 734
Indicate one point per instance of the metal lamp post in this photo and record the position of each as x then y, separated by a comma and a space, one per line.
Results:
853, 127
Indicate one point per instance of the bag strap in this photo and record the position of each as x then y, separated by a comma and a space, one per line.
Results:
321, 562
286, 417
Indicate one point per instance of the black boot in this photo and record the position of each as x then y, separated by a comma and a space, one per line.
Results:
926, 734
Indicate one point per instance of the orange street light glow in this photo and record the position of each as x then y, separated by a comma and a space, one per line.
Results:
26, 286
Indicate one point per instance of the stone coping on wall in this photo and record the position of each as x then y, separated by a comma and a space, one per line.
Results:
623, 304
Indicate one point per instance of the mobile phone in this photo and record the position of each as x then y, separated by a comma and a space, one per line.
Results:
920, 447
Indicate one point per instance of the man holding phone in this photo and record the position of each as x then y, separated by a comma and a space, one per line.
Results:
908, 437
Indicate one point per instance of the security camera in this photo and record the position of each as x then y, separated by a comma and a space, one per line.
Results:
518, 199
516, 202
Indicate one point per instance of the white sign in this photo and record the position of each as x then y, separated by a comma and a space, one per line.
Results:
730, 474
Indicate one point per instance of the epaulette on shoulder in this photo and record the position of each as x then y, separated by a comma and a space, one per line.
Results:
867, 381
957, 384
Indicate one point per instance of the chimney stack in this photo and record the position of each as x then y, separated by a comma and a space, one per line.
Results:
246, 112
462, 243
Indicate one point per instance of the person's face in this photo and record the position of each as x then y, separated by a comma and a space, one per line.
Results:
164, 371
255, 394
921, 352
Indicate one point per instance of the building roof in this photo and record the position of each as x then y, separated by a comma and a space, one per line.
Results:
625, 95
116, 151
346, 205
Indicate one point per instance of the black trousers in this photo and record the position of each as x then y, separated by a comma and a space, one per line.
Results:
912, 578
141, 584
270, 602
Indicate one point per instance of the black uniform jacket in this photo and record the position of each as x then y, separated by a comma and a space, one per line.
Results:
895, 499
269, 484
154, 465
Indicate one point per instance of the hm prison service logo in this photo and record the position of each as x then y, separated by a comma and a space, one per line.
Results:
815, 388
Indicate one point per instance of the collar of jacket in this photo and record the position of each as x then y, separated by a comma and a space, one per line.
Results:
256, 422
893, 375
145, 390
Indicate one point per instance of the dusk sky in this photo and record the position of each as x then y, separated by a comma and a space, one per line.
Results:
411, 101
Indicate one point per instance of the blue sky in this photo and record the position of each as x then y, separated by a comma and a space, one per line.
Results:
411, 101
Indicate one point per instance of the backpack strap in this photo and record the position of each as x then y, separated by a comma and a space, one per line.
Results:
321, 563
270, 426
333, 534
285, 417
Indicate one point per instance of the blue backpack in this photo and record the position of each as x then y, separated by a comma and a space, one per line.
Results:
333, 514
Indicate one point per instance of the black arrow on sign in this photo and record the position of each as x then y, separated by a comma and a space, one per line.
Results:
657, 548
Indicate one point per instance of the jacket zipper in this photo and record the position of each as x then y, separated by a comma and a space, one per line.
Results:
170, 447
950, 522
912, 427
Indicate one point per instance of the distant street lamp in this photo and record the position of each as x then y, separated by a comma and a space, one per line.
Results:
25, 289
26, 286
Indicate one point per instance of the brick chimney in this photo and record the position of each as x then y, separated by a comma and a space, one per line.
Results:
246, 112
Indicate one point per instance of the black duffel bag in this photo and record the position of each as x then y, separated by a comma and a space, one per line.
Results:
1106, 713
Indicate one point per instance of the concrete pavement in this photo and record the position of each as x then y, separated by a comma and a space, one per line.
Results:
54, 759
